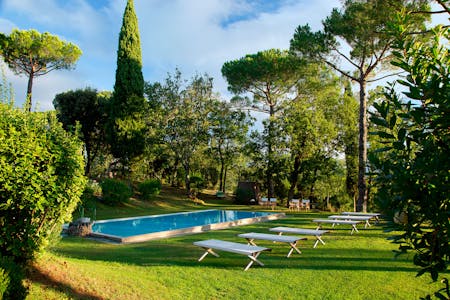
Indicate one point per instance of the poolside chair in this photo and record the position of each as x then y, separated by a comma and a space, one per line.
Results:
306, 204
273, 203
294, 204
251, 251
264, 201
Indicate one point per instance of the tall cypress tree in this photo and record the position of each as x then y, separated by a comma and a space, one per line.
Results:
126, 128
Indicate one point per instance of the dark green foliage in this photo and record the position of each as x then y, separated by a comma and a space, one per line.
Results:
229, 128
364, 26
11, 276
197, 183
149, 188
242, 196
348, 115
115, 191
41, 180
129, 78
83, 107
180, 111
126, 130
442, 293
413, 166
88, 198
251, 73
4, 282
271, 76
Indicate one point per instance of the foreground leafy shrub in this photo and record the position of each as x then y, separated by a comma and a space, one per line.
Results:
149, 188
11, 276
412, 166
4, 282
115, 191
41, 180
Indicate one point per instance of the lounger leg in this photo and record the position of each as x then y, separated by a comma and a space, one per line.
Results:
319, 239
354, 229
208, 250
253, 258
367, 224
293, 247
251, 242
318, 226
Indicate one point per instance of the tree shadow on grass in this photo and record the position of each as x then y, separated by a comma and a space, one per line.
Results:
181, 252
57, 284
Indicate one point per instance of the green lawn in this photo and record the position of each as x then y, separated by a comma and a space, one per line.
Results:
359, 266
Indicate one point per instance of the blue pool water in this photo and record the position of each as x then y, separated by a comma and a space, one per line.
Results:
129, 227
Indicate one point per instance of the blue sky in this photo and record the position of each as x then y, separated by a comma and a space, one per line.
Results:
196, 36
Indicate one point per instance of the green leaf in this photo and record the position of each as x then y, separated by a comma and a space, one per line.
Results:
385, 135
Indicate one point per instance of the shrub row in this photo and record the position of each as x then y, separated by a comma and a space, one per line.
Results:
115, 191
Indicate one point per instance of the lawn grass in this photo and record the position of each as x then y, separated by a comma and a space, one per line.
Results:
359, 266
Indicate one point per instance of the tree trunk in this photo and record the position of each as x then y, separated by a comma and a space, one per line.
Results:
221, 175
174, 175
361, 204
351, 163
224, 179
270, 185
294, 178
187, 180
29, 89
87, 168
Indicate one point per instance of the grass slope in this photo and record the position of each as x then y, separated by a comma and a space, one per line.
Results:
360, 266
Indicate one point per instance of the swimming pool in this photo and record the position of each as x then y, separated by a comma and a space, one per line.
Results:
139, 229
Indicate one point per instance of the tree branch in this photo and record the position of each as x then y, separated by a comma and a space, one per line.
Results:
389, 75
346, 58
379, 59
340, 71
442, 3
429, 12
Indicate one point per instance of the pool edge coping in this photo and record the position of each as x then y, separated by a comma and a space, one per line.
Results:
185, 231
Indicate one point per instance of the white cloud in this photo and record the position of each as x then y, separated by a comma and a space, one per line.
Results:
194, 35
194, 38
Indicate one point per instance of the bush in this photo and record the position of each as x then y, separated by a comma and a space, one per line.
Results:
149, 188
115, 191
4, 282
11, 277
197, 184
90, 194
41, 180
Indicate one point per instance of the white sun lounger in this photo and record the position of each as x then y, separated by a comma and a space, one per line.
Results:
250, 251
291, 240
317, 233
352, 218
376, 216
337, 222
